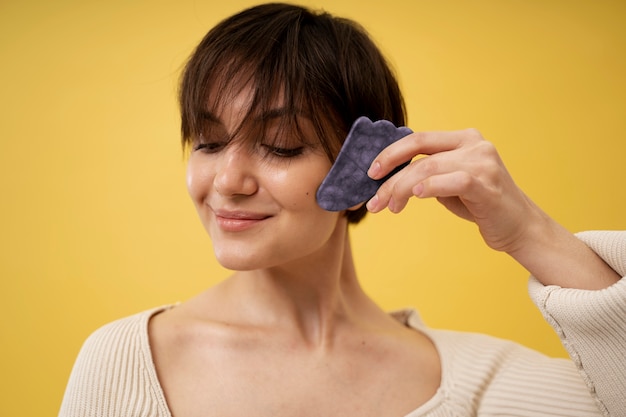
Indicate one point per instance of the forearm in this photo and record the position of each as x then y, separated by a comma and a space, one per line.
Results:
591, 324
554, 256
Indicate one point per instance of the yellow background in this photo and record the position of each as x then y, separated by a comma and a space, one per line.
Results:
96, 223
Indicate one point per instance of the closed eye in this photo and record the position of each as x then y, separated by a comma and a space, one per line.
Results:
284, 152
209, 147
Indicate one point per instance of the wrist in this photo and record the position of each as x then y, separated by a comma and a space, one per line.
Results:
554, 256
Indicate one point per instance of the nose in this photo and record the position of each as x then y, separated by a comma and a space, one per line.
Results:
235, 172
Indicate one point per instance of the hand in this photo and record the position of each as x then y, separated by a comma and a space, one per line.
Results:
465, 173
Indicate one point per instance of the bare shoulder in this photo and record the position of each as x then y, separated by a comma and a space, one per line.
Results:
411, 354
206, 361
179, 327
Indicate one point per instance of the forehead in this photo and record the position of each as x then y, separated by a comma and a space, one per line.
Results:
247, 101
242, 94
237, 114
229, 109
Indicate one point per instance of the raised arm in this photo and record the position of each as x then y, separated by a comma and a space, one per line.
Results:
465, 173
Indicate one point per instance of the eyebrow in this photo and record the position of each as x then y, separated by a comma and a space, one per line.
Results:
274, 113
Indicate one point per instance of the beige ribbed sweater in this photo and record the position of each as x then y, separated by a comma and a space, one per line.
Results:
114, 375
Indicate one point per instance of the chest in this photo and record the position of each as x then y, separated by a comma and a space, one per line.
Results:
282, 382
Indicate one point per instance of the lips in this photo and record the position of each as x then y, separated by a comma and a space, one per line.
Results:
238, 221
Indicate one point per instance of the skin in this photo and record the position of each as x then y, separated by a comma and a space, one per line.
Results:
291, 332
465, 173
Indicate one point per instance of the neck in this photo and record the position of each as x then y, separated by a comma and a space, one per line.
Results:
311, 298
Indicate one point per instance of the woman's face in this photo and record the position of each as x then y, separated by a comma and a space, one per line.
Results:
257, 200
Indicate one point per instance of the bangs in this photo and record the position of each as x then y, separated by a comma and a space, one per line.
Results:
307, 77
271, 113
280, 99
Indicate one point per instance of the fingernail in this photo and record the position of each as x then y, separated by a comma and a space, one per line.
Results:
391, 205
374, 170
372, 204
418, 190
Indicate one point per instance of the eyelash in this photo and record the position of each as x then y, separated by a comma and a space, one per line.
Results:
284, 152
214, 147
209, 147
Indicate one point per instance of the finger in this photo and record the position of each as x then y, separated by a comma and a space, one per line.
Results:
450, 184
478, 197
456, 206
418, 143
388, 195
396, 191
383, 195
450, 187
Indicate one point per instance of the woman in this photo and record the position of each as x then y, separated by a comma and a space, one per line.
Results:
266, 101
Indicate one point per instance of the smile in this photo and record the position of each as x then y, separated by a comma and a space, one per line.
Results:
238, 221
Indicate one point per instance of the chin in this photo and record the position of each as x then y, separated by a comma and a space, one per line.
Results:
240, 261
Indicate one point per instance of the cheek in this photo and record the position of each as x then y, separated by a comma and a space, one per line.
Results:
198, 180
303, 180
296, 190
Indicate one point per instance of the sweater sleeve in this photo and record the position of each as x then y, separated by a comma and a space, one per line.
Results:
592, 324
113, 374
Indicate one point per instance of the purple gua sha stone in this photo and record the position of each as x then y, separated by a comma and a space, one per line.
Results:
347, 183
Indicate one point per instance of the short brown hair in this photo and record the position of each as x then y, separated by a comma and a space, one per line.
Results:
323, 64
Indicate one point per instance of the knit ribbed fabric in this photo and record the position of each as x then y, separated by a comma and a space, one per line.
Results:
487, 376
592, 324
114, 375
